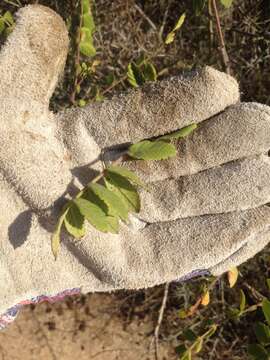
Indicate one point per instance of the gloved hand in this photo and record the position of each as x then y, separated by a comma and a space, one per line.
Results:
206, 208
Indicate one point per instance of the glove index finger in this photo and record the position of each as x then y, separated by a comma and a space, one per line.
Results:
158, 108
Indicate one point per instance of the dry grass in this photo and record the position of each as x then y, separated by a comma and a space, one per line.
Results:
128, 28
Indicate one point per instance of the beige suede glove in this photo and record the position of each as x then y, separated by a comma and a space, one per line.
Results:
206, 208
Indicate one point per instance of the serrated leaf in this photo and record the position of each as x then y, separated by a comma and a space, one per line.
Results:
232, 276
257, 352
242, 301
152, 150
198, 346
56, 237
266, 310
123, 171
125, 190
116, 206
74, 222
205, 298
96, 216
134, 75
131, 76
198, 6
262, 333
149, 72
179, 133
226, 3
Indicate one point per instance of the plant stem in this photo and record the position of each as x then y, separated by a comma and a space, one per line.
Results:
223, 50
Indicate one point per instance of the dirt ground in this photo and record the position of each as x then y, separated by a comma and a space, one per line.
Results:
86, 327
121, 326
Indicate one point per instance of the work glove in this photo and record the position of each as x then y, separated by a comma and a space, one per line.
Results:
205, 210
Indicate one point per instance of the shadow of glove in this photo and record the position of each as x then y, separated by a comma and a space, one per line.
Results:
205, 211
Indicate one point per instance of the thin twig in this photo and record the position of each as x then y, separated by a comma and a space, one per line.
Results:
150, 22
223, 50
160, 318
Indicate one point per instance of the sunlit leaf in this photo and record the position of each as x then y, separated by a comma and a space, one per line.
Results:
170, 37
96, 216
123, 171
74, 222
205, 298
116, 206
56, 237
152, 150
232, 276
87, 49
134, 75
198, 346
179, 133
2, 25
125, 190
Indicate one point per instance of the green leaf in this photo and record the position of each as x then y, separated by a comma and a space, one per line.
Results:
182, 314
262, 333
226, 3
180, 350
86, 43
116, 206
131, 76
88, 22
187, 355
96, 216
87, 49
266, 310
198, 6
242, 301
179, 133
125, 190
152, 150
268, 283
123, 171
190, 335
74, 222
257, 352
82, 103
56, 237
85, 6
8, 18
199, 345
149, 72
2, 25
134, 75
170, 37
180, 22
